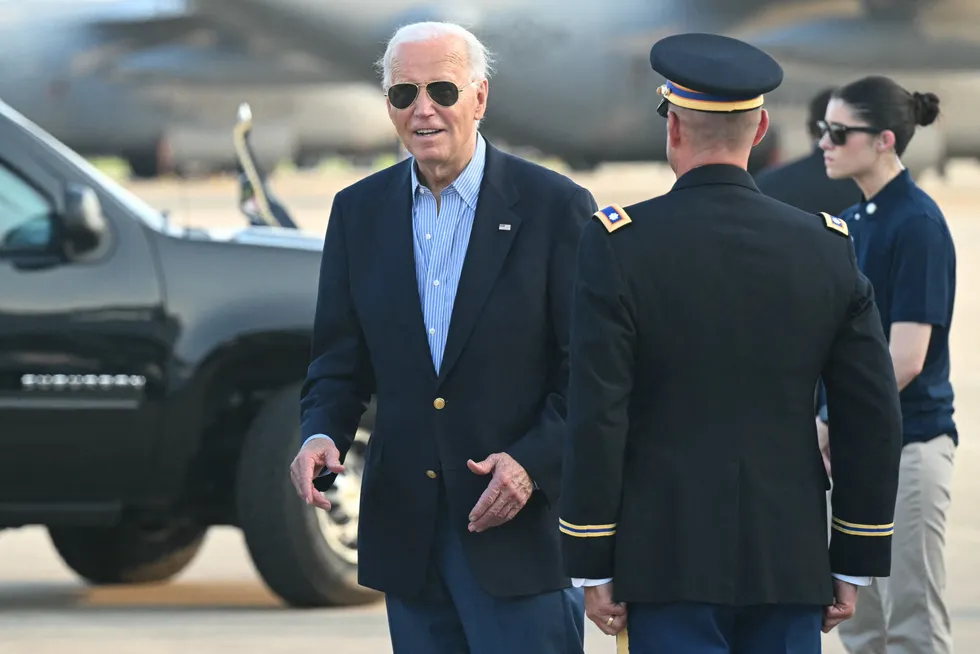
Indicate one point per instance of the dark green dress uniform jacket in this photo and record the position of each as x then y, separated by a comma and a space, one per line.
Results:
702, 320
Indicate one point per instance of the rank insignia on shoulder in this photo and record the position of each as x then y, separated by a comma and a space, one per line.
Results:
613, 217
834, 223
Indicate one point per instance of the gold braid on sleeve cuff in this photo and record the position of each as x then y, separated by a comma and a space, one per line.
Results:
857, 529
586, 531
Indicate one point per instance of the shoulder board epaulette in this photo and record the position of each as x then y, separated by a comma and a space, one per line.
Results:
613, 217
834, 223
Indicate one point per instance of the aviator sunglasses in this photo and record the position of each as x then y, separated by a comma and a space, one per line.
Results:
443, 93
838, 133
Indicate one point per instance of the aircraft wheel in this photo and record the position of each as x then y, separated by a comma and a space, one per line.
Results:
151, 162
582, 165
128, 553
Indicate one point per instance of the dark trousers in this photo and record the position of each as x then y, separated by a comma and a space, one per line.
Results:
684, 628
458, 617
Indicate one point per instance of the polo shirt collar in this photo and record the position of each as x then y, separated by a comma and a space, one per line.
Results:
889, 196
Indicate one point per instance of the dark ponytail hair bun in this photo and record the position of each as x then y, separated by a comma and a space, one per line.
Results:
926, 108
883, 104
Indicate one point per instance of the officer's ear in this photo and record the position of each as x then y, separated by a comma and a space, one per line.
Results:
763, 127
673, 129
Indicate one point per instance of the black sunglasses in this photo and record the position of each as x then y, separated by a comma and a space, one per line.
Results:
444, 94
838, 133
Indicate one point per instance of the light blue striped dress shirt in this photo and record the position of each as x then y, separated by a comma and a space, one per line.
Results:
440, 238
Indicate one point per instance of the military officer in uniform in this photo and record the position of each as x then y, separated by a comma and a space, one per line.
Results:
693, 495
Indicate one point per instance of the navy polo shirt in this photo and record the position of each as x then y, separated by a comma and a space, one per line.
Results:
904, 247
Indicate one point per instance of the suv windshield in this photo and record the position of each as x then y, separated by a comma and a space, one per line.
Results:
130, 200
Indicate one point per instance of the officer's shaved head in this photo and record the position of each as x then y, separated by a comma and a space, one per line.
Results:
707, 131
696, 138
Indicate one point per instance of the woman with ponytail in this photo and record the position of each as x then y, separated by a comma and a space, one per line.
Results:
904, 247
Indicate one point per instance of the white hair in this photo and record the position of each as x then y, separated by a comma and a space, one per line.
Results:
477, 55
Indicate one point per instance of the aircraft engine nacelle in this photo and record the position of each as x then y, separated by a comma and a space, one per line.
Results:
897, 9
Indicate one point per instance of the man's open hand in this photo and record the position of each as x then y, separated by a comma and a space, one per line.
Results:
608, 615
845, 602
505, 496
312, 458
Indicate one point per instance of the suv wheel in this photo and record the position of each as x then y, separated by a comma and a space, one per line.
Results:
339, 525
307, 556
130, 552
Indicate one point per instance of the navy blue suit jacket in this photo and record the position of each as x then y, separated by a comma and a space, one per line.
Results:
501, 387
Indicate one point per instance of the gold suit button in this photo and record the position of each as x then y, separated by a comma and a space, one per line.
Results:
431, 474
439, 403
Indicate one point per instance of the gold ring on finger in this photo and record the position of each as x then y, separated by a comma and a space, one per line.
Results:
609, 621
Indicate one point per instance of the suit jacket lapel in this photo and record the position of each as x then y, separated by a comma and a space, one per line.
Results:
485, 254
396, 250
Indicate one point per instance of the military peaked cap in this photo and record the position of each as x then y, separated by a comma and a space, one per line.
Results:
710, 72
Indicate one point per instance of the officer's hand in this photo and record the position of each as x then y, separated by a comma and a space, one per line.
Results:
608, 615
823, 440
312, 458
505, 496
845, 602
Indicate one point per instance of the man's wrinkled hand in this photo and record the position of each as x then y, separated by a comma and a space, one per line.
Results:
312, 458
845, 603
823, 440
506, 494
608, 615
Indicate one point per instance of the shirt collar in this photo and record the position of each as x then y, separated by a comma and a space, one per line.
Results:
467, 185
890, 195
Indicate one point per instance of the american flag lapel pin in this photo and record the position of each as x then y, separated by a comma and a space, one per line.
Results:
504, 227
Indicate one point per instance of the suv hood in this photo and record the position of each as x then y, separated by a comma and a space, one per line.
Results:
262, 236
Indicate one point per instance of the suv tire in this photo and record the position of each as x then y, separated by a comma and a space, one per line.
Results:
294, 546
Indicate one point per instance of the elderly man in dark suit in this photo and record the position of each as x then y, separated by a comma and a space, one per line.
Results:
444, 289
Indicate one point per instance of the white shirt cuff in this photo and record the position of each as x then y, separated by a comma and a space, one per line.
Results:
857, 581
318, 436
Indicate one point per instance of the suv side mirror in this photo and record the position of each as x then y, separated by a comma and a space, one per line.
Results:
84, 226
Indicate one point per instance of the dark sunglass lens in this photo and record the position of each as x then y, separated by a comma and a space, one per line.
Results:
837, 133
402, 95
443, 93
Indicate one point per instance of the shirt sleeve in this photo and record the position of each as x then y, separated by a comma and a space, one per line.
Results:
922, 282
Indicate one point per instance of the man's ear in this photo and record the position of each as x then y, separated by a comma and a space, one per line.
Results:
673, 129
763, 127
482, 91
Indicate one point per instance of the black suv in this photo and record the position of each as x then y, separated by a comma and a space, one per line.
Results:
149, 381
